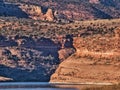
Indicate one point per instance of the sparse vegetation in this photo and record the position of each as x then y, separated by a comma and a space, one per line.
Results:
25, 27
23, 42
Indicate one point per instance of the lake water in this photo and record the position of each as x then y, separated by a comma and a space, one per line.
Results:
34, 86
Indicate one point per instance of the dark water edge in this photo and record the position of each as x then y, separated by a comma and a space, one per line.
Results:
34, 86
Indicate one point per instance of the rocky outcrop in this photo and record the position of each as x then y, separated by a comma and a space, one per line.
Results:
96, 60
94, 1
5, 79
36, 13
49, 15
97, 48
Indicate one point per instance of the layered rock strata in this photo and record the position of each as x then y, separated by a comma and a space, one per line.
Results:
96, 60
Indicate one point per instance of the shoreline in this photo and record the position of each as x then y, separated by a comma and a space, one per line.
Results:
87, 83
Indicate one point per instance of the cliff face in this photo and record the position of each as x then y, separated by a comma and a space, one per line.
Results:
96, 60
24, 59
79, 9
98, 48
33, 59
31, 50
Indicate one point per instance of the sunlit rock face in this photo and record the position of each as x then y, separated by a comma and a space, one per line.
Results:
94, 1
36, 13
96, 60
21, 10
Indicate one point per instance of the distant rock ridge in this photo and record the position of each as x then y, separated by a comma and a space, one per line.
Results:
78, 9
36, 13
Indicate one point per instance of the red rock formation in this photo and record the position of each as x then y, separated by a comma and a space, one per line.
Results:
96, 61
98, 48
49, 15
35, 12
94, 1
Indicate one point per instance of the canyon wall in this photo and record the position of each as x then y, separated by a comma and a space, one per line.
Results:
96, 60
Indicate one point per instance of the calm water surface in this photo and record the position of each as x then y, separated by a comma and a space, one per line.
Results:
34, 86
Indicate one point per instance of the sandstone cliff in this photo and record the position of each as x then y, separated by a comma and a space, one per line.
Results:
49, 15
96, 61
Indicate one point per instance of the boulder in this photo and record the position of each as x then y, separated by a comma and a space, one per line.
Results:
5, 79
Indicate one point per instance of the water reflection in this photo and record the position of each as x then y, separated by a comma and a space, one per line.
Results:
33, 86
39, 89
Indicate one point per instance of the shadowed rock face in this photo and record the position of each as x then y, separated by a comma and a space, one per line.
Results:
108, 3
30, 61
7, 9
24, 59
100, 14
17, 74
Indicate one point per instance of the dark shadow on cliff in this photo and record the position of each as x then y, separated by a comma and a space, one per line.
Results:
108, 2
10, 10
45, 63
100, 14
5, 42
23, 75
69, 41
44, 45
20, 75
